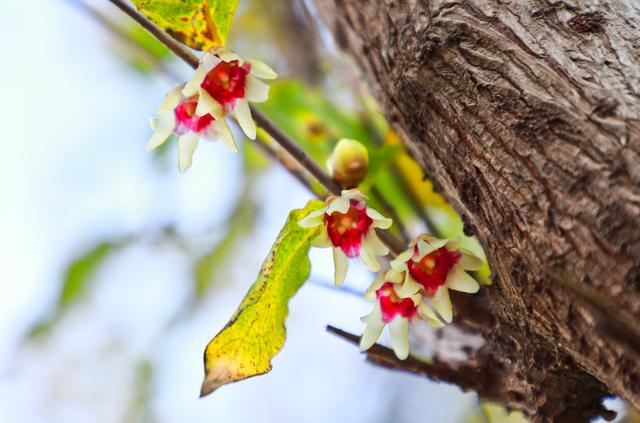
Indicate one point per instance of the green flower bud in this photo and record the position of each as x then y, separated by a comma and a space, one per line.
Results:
349, 162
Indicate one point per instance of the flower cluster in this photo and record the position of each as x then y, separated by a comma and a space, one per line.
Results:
223, 84
396, 312
420, 278
350, 229
432, 266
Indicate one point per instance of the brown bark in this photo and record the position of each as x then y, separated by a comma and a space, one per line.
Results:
526, 114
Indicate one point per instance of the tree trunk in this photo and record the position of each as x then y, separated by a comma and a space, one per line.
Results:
526, 115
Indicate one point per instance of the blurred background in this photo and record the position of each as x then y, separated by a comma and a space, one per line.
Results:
116, 270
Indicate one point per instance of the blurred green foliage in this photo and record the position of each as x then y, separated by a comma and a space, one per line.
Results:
76, 281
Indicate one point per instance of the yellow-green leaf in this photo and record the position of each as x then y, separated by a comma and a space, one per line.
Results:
256, 332
200, 24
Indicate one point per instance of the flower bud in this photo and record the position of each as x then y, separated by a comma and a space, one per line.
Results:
349, 162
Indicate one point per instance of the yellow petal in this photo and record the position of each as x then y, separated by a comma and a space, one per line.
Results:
368, 258
192, 86
341, 263
442, 303
399, 264
339, 204
242, 114
260, 69
172, 99
257, 91
373, 328
399, 331
219, 130
187, 144
162, 128
459, 280
409, 288
469, 261
429, 316
207, 105
379, 221
313, 219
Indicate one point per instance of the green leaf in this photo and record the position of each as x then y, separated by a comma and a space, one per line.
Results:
200, 24
78, 276
256, 332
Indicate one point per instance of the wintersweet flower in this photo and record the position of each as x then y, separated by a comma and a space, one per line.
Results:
432, 267
350, 229
394, 311
177, 115
226, 83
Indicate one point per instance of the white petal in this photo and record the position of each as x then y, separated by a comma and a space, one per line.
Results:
207, 105
339, 204
224, 54
172, 99
341, 263
313, 219
368, 258
322, 240
453, 244
243, 115
399, 331
187, 144
354, 194
257, 91
442, 303
370, 294
393, 276
219, 130
373, 328
399, 264
429, 316
162, 128
426, 247
459, 280
469, 261
409, 287
210, 60
376, 246
192, 86
261, 70
379, 221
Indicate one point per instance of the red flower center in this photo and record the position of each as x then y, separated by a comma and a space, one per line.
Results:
392, 305
431, 272
186, 119
347, 229
226, 81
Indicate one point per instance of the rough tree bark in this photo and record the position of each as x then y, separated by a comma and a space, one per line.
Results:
526, 114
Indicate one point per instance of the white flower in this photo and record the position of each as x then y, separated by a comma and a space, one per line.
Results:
225, 83
350, 229
396, 312
177, 115
432, 266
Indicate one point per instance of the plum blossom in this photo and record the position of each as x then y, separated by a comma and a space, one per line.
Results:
225, 84
432, 267
394, 311
350, 230
177, 115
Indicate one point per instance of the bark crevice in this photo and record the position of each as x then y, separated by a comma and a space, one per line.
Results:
527, 117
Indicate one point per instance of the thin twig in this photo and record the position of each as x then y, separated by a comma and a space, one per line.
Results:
276, 133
